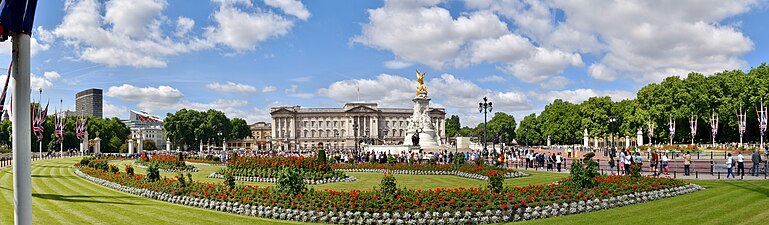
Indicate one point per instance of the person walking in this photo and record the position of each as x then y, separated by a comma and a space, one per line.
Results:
665, 164
740, 164
621, 168
756, 159
628, 160
558, 162
611, 165
653, 163
687, 163
729, 165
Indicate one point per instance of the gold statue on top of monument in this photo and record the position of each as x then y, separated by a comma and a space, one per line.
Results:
420, 80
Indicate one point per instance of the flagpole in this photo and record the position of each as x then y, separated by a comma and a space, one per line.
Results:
62, 117
39, 115
21, 131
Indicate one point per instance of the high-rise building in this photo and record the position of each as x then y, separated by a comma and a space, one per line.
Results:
89, 102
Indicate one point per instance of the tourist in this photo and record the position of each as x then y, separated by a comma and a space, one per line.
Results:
756, 158
729, 165
528, 159
687, 163
653, 162
550, 165
558, 162
665, 163
628, 160
638, 160
611, 164
621, 162
740, 164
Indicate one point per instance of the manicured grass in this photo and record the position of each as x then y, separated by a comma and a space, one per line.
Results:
60, 197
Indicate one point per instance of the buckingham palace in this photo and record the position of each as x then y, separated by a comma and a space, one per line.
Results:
341, 127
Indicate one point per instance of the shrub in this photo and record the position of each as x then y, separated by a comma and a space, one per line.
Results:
181, 157
322, 156
388, 186
129, 170
233, 156
635, 170
85, 161
391, 159
153, 173
229, 180
459, 159
495, 181
290, 181
479, 162
584, 174
432, 161
114, 169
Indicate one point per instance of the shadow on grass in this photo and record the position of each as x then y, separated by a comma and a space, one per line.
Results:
750, 186
84, 198
52, 176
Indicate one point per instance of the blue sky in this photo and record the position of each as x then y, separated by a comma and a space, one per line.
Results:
245, 56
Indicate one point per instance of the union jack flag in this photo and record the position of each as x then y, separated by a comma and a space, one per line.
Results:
5, 88
81, 127
761, 115
693, 125
672, 128
651, 129
741, 123
39, 122
60, 118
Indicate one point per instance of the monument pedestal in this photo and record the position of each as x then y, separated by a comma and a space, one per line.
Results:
422, 122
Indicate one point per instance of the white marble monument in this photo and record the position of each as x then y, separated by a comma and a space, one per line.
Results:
420, 121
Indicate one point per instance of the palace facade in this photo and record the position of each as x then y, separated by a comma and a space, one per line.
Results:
297, 127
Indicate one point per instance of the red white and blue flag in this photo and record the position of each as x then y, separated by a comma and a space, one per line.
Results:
672, 128
761, 114
59, 126
651, 129
81, 127
693, 125
741, 123
38, 126
714, 125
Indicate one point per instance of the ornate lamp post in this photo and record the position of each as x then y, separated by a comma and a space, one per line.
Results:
220, 138
611, 130
484, 107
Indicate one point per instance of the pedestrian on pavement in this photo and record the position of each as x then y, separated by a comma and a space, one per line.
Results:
665, 163
740, 164
621, 163
687, 163
653, 163
729, 165
628, 160
756, 158
558, 161
611, 164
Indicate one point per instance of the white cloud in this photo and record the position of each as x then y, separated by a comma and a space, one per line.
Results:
111, 110
295, 92
269, 88
457, 95
231, 87
183, 26
37, 83
291, 7
127, 34
243, 30
421, 32
301, 79
543, 64
579, 95
556, 82
396, 64
52, 75
642, 40
149, 99
492, 78
386, 90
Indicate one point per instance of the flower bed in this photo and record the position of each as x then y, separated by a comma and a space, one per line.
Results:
204, 162
433, 206
273, 180
165, 163
466, 170
269, 166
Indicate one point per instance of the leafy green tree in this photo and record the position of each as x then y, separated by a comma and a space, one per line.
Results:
529, 131
561, 121
452, 126
503, 125
149, 145
240, 129
595, 113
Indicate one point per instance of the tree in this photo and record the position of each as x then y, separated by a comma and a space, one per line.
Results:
560, 121
529, 131
503, 125
149, 145
452, 126
240, 129
595, 113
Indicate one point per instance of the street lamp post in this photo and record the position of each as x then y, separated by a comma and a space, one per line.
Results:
220, 138
611, 130
484, 107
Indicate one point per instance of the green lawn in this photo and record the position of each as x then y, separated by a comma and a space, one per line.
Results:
60, 197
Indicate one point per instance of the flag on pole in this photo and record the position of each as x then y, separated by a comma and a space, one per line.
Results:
714, 124
5, 88
672, 128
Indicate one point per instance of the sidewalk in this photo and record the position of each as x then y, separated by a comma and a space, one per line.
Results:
717, 175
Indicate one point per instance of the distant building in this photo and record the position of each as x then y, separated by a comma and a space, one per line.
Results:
297, 127
145, 126
89, 103
261, 134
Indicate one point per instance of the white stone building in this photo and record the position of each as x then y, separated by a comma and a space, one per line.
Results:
295, 126
146, 127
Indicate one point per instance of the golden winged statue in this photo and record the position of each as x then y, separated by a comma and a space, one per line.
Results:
420, 80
